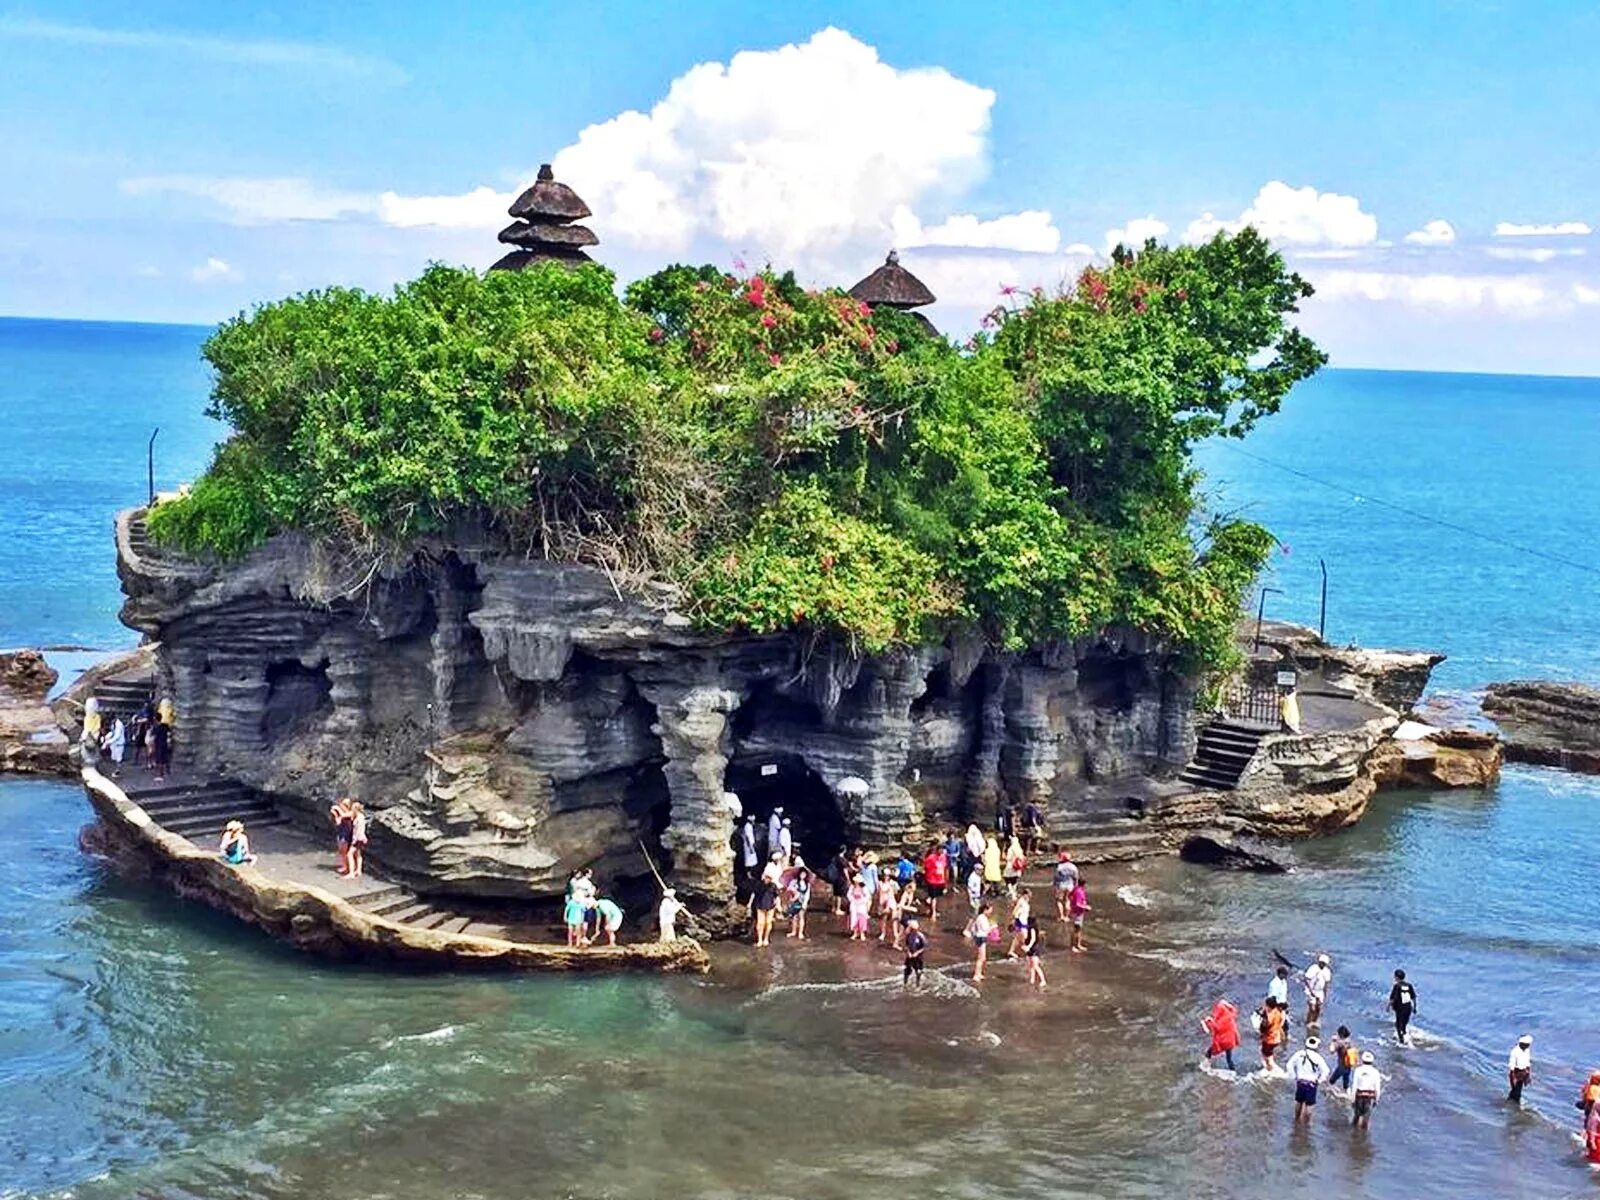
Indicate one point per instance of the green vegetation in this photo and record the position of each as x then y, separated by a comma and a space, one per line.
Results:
788, 457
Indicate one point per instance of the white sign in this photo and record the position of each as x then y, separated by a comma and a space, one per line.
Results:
769, 769
1287, 679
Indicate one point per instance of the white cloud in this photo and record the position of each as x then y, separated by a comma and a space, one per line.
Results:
1292, 216
792, 153
1559, 229
256, 52
1135, 232
481, 208
247, 201
1584, 294
1512, 295
1031, 231
213, 270
1536, 254
1435, 233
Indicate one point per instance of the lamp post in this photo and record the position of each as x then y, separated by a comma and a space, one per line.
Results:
150, 467
1322, 619
1261, 609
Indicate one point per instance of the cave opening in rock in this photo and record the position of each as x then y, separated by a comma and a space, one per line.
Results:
1110, 682
763, 782
296, 695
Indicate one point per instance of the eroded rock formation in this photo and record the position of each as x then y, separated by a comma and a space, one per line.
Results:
1548, 724
510, 720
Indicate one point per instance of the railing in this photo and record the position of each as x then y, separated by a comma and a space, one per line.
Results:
1252, 702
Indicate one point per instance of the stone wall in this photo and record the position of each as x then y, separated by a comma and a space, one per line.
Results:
511, 720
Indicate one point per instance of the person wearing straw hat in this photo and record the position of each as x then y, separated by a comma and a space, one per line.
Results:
667, 914
235, 845
1308, 1069
1519, 1067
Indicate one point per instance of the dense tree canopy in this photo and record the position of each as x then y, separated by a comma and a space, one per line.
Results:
788, 457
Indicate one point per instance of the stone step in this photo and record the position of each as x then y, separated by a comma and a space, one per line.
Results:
434, 921
455, 925
370, 900
222, 810
154, 791
210, 825
155, 803
1226, 746
412, 913
401, 903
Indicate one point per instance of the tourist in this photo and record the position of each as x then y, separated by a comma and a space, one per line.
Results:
916, 947
1519, 1068
576, 916
955, 854
1030, 948
935, 878
1307, 1068
160, 749
858, 901
1223, 1026
1005, 822
975, 844
1062, 881
888, 908
117, 745
840, 869
89, 748
610, 916
749, 860
1345, 1059
785, 842
869, 876
93, 720
1591, 1135
1316, 980
765, 901
343, 818
774, 829
358, 839
667, 914
1368, 1085
139, 731
975, 886
1021, 914
235, 846
993, 865
1032, 826
1278, 989
1077, 906
1403, 1003
1590, 1096
1274, 1023
1016, 862
982, 930
799, 901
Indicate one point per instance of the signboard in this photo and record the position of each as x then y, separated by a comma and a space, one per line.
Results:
769, 769
1287, 679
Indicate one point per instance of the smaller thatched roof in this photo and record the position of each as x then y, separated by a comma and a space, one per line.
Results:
894, 286
549, 200
534, 234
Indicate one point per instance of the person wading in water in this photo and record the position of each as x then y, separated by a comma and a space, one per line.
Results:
1223, 1026
1308, 1069
1519, 1068
1368, 1085
1403, 1003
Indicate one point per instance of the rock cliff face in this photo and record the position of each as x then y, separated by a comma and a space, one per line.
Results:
1549, 724
511, 720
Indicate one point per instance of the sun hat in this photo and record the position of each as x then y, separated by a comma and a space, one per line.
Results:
233, 825
1313, 1042
1366, 1056
1525, 1040
1322, 959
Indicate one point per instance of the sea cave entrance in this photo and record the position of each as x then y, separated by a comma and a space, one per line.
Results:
763, 782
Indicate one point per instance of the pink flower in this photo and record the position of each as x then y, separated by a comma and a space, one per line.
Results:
738, 264
768, 320
657, 333
892, 346
1284, 546
774, 359
1009, 289
861, 308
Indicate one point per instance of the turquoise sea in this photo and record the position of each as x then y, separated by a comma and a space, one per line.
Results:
151, 1049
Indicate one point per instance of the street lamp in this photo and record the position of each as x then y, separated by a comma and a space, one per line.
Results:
1261, 609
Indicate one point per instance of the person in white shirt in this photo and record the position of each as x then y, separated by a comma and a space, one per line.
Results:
786, 841
671, 906
1278, 989
1519, 1067
1316, 980
1307, 1068
1367, 1085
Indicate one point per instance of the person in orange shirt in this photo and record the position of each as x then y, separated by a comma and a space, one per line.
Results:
1274, 1022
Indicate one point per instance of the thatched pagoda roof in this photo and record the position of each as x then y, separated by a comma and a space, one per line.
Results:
521, 260
549, 200
894, 286
542, 233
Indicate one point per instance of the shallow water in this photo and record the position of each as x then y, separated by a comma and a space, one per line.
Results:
150, 1048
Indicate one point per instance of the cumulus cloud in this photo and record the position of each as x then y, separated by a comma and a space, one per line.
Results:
1434, 233
1135, 232
1538, 254
1585, 294
481, 208
1295, 217
1031, 231
213, 270
248, 201
1511, 295
793, 153
1559, 229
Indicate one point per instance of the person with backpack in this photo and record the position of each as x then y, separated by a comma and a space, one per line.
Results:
1345, 1059
1403, 1003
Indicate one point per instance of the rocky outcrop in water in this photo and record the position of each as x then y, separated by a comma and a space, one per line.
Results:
1393, 678
1235, 851
1548, 724
510, 720
29, 740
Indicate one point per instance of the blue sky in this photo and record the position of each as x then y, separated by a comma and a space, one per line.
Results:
1434, 168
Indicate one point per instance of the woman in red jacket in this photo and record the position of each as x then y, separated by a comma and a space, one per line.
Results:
1223, 1026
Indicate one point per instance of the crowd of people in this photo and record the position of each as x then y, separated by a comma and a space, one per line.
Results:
143, 740
1353, 1073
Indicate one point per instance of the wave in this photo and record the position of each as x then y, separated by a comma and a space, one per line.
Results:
1136, 895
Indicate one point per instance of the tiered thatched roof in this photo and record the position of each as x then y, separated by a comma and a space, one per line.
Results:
542, 229
892, 286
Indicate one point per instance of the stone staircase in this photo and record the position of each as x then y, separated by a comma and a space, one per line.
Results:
122, 696
1224, 751
1101, 837
198, 809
